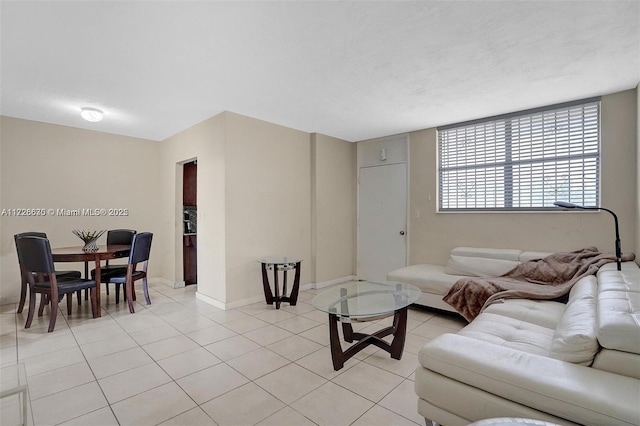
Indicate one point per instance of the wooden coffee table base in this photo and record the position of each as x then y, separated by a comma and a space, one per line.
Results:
398, 329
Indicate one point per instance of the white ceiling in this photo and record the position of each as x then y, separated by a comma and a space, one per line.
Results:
353, 70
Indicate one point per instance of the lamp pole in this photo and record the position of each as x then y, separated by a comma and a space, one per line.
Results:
565, 205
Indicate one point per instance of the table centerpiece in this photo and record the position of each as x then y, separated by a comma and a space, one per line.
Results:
89, 237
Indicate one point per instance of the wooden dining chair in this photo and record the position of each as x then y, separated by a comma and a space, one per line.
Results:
37, 261
114, 237
140, 250
60, 275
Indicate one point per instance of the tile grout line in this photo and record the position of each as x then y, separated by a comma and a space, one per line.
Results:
172, 379
249, 313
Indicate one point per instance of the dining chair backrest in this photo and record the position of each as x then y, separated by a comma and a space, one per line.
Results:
26, 234
140, 248
36, 254
120, 236
30, 234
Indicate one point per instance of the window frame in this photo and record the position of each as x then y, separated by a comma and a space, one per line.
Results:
509, 163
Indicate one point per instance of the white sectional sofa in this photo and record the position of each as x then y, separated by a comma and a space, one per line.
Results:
573, 363
436, 280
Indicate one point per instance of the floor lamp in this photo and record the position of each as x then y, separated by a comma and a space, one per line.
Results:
565, 205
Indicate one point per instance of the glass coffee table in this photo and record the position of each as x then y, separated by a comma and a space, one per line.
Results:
13, 381
366, 301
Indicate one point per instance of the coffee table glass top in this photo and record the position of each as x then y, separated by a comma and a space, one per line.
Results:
364, 299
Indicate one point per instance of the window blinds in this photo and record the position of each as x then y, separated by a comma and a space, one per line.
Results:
522, 161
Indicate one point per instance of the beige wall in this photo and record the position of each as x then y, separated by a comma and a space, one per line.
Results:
265, 189
619, 167
433, 234
268, 201
254, 200
254, 197
49, 166
204, 142
333, 192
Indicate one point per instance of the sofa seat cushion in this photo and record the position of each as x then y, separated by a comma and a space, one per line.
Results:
544, 313
462, 404
618, 362
613, 280
619, 307
569, 391
510, 332
428, 278
619, 320
574, 339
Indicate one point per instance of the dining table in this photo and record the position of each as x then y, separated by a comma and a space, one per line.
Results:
77, 254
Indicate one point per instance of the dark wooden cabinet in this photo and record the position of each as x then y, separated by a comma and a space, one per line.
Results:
189, 184
190, 256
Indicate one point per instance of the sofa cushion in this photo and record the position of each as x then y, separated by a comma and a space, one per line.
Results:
545, 313
573, 392
619, 320
478, 266
428, 278
451, 402
619, 362
574, 339
619, 308
510, 333
587, 287
626, 280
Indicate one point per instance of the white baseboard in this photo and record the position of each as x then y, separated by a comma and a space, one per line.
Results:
256, 299
333, 281
260, 298
307, 286
6, 300
244, 302
210, 300
230, 305
166, 282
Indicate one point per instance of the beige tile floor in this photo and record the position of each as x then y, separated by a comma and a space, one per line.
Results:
180, 361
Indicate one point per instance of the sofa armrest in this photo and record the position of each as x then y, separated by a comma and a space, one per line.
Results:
574, 392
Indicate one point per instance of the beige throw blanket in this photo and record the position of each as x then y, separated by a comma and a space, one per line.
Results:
549, 278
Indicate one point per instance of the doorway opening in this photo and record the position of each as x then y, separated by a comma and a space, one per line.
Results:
190, 222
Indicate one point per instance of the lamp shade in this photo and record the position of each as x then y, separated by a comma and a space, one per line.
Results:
565, 205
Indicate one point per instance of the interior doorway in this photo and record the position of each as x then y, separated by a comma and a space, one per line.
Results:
190, 222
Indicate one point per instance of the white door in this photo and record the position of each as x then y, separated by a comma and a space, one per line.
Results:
382, 220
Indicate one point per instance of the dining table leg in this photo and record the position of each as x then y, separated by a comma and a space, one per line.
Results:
86, 276
99, 307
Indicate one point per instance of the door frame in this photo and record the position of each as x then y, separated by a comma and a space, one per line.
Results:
178, 240
397, 152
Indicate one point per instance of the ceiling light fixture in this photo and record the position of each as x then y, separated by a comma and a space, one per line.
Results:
92, 114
